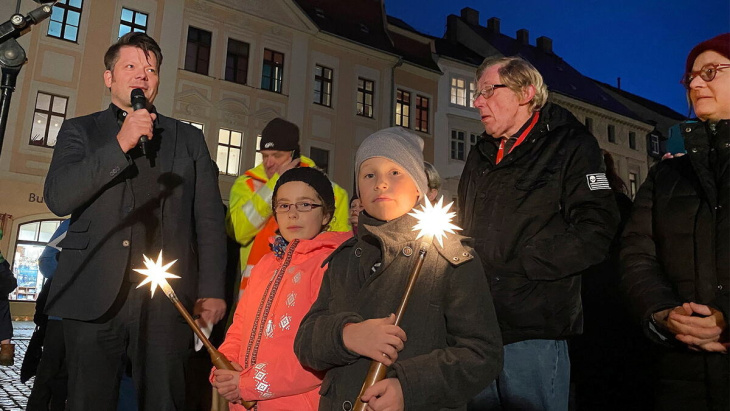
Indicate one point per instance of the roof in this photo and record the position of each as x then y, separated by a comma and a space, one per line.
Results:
651, 105
559, 76
359, 21
414, 51
457, 51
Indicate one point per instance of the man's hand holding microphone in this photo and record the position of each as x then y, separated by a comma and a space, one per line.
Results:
138, 127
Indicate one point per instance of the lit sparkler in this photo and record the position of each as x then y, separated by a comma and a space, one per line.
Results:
434, 221
157, 276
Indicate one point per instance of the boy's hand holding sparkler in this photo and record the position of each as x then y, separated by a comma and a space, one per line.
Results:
377, 338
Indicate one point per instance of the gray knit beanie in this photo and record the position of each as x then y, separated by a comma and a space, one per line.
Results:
399, 146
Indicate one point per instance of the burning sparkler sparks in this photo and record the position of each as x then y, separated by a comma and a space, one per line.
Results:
157, 274
434, 220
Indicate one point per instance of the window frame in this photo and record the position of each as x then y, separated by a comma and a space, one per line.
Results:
402, 108
455, 143
132, 25
420, 111
36, 242
611, 132
236, 61
325, 94
229, 147
314, 157
199, 46
49, 113
66, 8
362, 93
277, 76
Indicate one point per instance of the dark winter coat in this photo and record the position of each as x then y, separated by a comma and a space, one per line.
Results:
453, 350
8, 282
539, 218
676, 249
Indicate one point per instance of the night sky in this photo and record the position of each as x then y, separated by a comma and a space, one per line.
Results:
645, 42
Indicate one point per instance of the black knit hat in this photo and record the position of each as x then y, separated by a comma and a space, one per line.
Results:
315, 179
279, 135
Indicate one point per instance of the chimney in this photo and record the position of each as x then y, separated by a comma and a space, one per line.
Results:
452, 22
493, 25
523, 36
545, 44
470, 15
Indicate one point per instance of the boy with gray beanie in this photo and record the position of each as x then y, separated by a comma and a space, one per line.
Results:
448, 346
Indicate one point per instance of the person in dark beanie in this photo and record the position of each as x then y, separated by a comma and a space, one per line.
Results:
675, 250
447, 347
249, 219
260, 341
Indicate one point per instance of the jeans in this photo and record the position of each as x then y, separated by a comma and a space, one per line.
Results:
536, 376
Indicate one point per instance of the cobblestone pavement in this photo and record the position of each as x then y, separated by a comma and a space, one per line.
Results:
14, 394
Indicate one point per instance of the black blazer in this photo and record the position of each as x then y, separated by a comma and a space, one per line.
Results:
87, 179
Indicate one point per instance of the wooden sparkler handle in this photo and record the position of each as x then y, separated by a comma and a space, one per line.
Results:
377, 370
219, 360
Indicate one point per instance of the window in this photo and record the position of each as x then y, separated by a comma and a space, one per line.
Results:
323, 85
654, 142
633, 184
403, 109
473, 140
632, 140
237, 62
422, 113
132, 21
32, 239
50, 111
65, 19
459, 93
589, 124
457, 145
196, 125
365, 96
197, 52
611, 133
321, 158
273, 71
229, 151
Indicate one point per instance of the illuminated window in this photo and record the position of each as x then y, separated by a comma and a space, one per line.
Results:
403, 109
229, 151
48, 115
32, 239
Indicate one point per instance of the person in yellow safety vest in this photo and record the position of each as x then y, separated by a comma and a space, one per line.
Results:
249, 218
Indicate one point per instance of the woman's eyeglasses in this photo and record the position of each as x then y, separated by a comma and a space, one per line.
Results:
707, 73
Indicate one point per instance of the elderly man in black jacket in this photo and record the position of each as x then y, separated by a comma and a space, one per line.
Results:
124, 202
534, 196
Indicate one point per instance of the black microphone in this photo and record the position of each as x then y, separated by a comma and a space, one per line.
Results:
139, 101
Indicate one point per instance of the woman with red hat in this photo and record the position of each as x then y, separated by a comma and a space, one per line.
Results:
675, 253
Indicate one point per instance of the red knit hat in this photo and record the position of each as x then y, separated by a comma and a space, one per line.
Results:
719, 44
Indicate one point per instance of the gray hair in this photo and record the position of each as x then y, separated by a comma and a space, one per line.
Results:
518, 74
432, 175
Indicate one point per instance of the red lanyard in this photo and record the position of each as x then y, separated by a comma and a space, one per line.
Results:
520, 139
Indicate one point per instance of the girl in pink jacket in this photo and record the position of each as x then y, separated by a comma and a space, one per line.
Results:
281, 289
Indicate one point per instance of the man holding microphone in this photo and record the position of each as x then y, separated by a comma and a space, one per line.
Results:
125, 203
